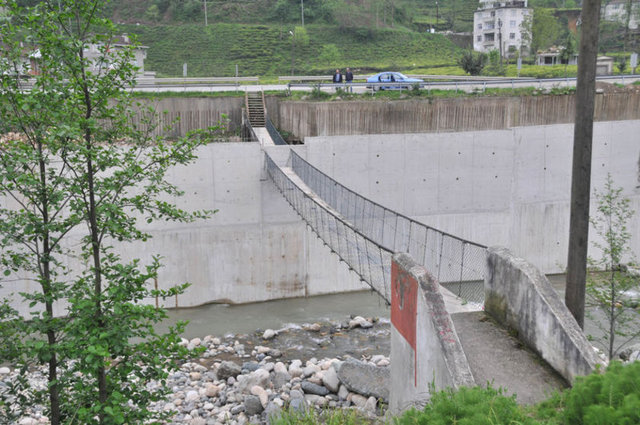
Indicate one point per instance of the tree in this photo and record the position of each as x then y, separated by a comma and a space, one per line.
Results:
540, 30
567, 52
73, 162
622, 65
472, 62
612, 280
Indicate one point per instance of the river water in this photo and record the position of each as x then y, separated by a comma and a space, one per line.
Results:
223, 319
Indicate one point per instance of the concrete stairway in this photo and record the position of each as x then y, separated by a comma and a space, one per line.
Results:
254, 102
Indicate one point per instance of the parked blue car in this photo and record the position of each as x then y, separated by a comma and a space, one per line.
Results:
397, 80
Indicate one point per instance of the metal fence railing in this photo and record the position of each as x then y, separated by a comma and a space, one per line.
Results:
456, 263
273, 132
248, 133
364, 256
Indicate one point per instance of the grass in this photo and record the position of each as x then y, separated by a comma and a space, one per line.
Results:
267, 49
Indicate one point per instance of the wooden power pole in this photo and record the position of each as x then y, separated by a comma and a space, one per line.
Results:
581, 172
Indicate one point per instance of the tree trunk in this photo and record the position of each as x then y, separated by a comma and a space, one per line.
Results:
581, 173
54, 390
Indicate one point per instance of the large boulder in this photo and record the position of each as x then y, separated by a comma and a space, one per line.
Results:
228, 369
365, 379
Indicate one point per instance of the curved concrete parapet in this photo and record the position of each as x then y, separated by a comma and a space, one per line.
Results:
521, 298
425, 349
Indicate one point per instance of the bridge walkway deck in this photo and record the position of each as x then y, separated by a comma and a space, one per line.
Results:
496, 356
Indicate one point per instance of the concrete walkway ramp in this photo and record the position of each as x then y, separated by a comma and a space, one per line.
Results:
499, 358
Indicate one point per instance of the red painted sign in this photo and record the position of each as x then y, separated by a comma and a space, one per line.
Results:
404, 300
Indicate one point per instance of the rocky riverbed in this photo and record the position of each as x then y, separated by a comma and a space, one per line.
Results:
251, 378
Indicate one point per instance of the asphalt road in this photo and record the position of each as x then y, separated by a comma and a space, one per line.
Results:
468, 86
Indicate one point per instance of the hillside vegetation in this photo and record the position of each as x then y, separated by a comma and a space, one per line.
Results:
214, 50
368, 35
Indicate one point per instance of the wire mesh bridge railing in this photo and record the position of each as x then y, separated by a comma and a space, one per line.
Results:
364, 256
456, 263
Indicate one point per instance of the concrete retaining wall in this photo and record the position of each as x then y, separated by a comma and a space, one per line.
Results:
255, 248
425, 348
306, 119
191, 113
521, 298
501, 187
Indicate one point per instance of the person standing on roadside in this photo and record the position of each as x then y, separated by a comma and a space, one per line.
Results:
337, 77
348, 78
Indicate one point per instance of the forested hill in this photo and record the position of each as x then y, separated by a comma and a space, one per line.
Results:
454, 15
255, 34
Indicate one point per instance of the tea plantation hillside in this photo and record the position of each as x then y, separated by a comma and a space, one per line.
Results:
258, 50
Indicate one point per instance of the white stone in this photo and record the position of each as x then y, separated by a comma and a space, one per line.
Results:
343, 392
280, 367
269, 366
4, 370
260, 349
359, 321
383, 362
192, 396
330, 380
28, 421
309, 370
215, 341
295, 372
358, 400
371, 404
261, 393
269, 334
195, 342
211, 390
195, 376
198, 421
208, 406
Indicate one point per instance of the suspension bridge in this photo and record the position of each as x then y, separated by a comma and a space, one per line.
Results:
367, 235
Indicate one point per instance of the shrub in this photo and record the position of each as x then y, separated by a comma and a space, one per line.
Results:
468, 406
609, 398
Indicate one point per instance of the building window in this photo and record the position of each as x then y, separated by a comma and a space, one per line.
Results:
479, 26
512, 23
493, 14
479, 38
512, 36
488, 37
513, 12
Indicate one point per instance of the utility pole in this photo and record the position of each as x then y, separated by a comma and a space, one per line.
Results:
302, 11
205, 13
437, 14
581, 172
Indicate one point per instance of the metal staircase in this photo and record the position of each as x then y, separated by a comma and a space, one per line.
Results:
254, 102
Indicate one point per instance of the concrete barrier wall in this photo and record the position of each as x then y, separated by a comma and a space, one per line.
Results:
425, 349
521, 298
501, 187
306, 119
255, 248
190, 113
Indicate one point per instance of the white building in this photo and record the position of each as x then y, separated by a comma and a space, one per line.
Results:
617, 10
498, 26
